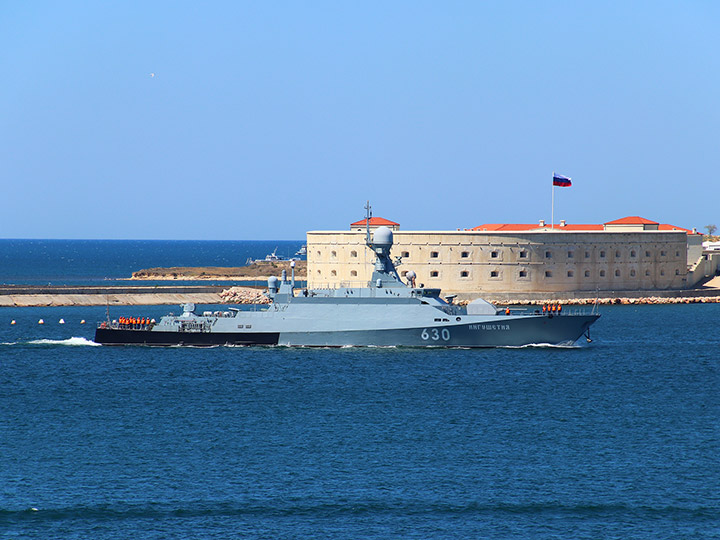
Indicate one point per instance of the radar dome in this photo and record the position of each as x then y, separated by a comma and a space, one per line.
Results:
273, 284
383, 237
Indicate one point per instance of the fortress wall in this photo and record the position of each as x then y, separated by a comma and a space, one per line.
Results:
479, 261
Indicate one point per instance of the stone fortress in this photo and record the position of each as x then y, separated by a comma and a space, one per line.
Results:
629, 254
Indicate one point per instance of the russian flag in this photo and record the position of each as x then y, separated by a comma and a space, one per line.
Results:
562, 181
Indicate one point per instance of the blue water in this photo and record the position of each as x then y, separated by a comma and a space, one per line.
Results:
619, 439
103, 262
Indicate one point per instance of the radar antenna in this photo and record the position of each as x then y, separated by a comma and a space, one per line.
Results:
368, 215
385, 274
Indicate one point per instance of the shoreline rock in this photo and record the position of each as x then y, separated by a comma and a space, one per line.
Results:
255, 271
647, 300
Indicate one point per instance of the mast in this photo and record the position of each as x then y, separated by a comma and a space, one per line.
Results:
368, 215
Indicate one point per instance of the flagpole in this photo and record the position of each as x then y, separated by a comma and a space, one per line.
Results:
552, 205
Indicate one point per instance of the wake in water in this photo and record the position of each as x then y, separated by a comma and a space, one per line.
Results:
73, 342
574, 345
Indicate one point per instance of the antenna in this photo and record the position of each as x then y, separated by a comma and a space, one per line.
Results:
368, 213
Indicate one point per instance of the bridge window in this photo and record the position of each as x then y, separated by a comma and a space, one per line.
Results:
406, 254
617, 273
662, 272
571, 254
587, 254
617, 254
353, 273
647, 272
523, 254
548, 273
677, 253
493, 273
465, 254
602, 273
434, 254
434, 273
587, 273
633, 254
602, 254
647, 253
333, 273
522, 273
632, 273
353, 253
548, 255
494, 254
663, 253
677, 272
464, 273
570, 273
333, 254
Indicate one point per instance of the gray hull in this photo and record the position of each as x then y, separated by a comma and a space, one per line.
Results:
496, 331
510, 332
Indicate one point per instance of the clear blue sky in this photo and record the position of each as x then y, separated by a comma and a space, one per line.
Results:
268, 119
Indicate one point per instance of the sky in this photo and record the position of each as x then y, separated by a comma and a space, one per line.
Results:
263, 120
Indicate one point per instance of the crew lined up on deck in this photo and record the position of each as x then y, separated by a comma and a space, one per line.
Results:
552, 309
134, 321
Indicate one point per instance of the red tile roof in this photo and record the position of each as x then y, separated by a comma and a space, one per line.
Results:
533, 226
632, 220
666, 227
374, 221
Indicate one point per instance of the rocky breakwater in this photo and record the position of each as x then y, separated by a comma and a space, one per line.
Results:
643, 300
243, 295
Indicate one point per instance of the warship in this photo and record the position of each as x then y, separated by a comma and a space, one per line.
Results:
386, 313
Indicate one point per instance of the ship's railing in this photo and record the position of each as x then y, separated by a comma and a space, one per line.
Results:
115, 325
537, 310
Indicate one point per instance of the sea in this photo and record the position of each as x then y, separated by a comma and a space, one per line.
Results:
112, 262
618, 438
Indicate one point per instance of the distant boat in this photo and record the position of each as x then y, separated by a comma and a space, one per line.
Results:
302, 252
271, 257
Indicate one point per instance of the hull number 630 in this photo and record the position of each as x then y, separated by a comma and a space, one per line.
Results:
435, 334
